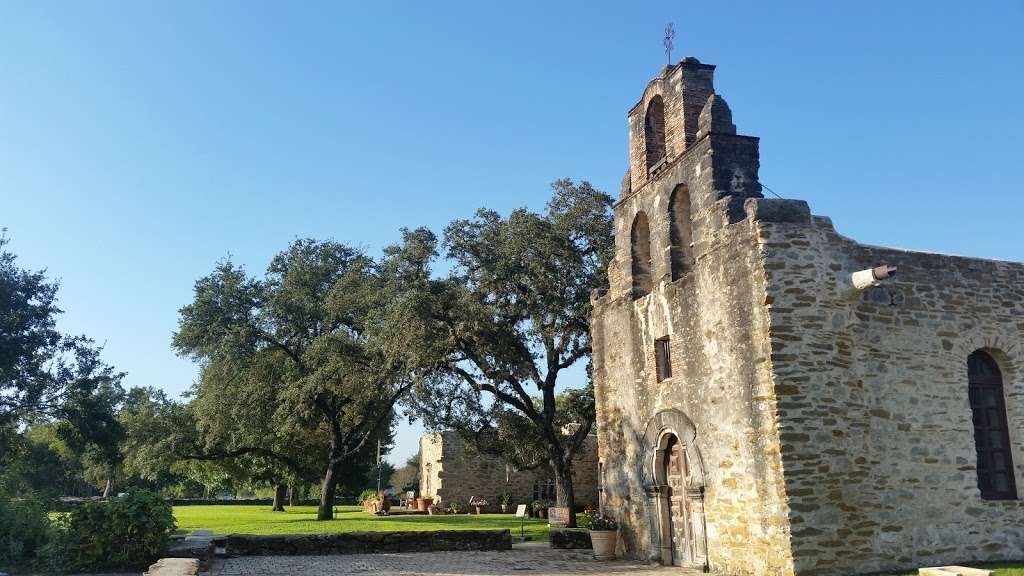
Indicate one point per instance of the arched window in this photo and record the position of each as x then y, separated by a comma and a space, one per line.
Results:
543, 490
680, 231
991, 430
654, 131
640, 239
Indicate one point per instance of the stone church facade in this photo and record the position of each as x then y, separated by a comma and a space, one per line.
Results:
455, 473
776, 399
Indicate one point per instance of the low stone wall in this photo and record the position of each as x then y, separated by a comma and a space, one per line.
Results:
570, 538
368, 542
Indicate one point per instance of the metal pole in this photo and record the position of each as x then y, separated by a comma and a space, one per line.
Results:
378, 468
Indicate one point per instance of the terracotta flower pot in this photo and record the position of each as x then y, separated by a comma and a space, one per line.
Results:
542, 513
604, 542
478, 508
423, 504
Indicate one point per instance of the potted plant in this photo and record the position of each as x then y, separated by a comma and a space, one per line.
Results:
506, 501
423, 504
369, 500
540, 509
604, 534
435, 507
454, 508
477, 503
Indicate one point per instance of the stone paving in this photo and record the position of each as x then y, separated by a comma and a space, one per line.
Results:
537, 559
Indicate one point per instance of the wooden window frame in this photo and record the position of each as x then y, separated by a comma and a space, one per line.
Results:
663, 358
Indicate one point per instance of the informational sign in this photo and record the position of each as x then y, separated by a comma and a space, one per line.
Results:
521, 511
558, 516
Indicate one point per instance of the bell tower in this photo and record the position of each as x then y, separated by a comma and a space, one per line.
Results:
664, 123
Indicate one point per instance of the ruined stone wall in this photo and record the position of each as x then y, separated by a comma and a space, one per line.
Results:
455, 473
875, 420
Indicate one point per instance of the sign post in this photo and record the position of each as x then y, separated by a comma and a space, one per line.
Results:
521, 514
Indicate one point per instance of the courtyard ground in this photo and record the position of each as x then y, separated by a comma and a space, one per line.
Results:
533, 558
231, 519
530, 558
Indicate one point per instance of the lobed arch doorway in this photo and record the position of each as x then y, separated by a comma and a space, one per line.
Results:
676, 490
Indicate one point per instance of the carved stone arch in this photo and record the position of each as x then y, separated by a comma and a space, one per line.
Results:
676, 506
675, 421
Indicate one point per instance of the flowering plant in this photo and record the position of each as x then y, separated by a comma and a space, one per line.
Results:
598, 522
475, 501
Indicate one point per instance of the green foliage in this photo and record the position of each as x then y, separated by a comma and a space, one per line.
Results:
509, 318
127, 532
26, 534
368, 495
302, 370
46, 375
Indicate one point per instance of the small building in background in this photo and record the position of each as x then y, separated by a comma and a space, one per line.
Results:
454, 472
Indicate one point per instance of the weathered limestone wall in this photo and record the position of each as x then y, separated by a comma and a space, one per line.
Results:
720, 392
875, 420
720, 381
449, 470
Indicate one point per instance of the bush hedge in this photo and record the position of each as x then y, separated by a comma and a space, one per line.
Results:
26, 534
127, 532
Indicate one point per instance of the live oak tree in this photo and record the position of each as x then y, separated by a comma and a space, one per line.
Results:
509, 319
318, 332
47, 376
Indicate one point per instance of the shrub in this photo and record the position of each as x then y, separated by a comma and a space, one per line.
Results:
368, 496
127, 532
26, 532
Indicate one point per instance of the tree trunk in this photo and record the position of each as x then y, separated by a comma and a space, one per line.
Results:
291, 495
327, 489
564, 495
109, 486
279, 495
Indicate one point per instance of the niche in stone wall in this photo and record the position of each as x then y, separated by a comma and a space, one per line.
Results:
640, 248
680, 231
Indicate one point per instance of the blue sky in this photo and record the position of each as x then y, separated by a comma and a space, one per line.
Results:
141, 142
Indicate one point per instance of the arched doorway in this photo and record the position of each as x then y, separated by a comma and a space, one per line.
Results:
676, 490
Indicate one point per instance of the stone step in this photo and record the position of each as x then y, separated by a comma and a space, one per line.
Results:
174, 567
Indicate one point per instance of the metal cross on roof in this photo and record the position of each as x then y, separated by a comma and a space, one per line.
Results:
670, 35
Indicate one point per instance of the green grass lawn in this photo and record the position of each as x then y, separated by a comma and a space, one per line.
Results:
302, 520
1014, 569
